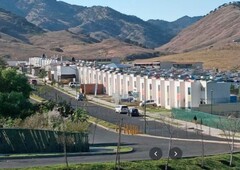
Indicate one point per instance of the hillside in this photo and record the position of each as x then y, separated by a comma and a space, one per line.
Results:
224, 58
217, 29
17, 27
98, 22
176, 26
68, 44
20, 40
82, 46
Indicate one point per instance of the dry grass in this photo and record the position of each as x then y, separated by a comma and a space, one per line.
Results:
78, 46
223, 58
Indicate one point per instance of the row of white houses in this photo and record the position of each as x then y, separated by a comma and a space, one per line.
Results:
167, 93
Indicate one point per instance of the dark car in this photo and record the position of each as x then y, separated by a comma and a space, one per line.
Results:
80, 97
133, 112
33, 82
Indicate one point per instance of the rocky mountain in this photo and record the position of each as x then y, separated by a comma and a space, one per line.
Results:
20, 40
173, 28
217, 29
98, 22
17, 27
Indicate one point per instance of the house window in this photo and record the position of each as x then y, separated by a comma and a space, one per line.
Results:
189, 104
135, 84
159, 87
189, 90
150, 86
167, 89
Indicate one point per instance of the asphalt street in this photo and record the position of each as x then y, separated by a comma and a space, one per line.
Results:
153, 127
141, 145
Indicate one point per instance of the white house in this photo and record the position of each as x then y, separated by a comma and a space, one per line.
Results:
168, 93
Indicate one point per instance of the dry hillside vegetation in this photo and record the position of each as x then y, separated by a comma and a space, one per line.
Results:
215, 30
224, 58
106, 49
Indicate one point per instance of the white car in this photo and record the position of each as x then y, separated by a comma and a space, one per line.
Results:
121, 109
74, 84
148, 102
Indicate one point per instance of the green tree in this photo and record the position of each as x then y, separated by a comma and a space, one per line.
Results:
14, 94
79, 115
10, 81
45, 107
65, 109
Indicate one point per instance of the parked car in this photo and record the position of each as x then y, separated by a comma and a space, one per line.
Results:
129, 99
74, 84
148, 102
133, 112
80, 97
33, 82
121, 109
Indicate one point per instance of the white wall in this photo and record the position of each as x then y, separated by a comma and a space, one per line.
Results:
218, 92
196, 94
66, 70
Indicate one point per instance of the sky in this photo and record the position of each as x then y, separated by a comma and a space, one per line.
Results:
168, 10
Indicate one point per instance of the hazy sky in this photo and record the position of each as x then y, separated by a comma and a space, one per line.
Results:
168, 10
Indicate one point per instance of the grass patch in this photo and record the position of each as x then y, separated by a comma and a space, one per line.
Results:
224, 135
30, 155
37, 98
123, 149
218, 162
157, 110
102, 122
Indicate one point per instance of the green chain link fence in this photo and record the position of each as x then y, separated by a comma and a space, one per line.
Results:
203, 118
41, 141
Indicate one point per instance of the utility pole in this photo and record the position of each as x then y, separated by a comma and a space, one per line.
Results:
64, 142
117, 162
145, 107
145, 118
211, 101
203, 153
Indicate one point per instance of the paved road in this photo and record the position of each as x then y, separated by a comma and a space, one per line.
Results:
141, 145
153, 127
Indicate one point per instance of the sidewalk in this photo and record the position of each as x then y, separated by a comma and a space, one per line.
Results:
190, 126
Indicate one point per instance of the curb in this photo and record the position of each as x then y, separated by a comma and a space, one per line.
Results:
112, 152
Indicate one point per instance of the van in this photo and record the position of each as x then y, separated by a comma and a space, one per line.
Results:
121, 109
